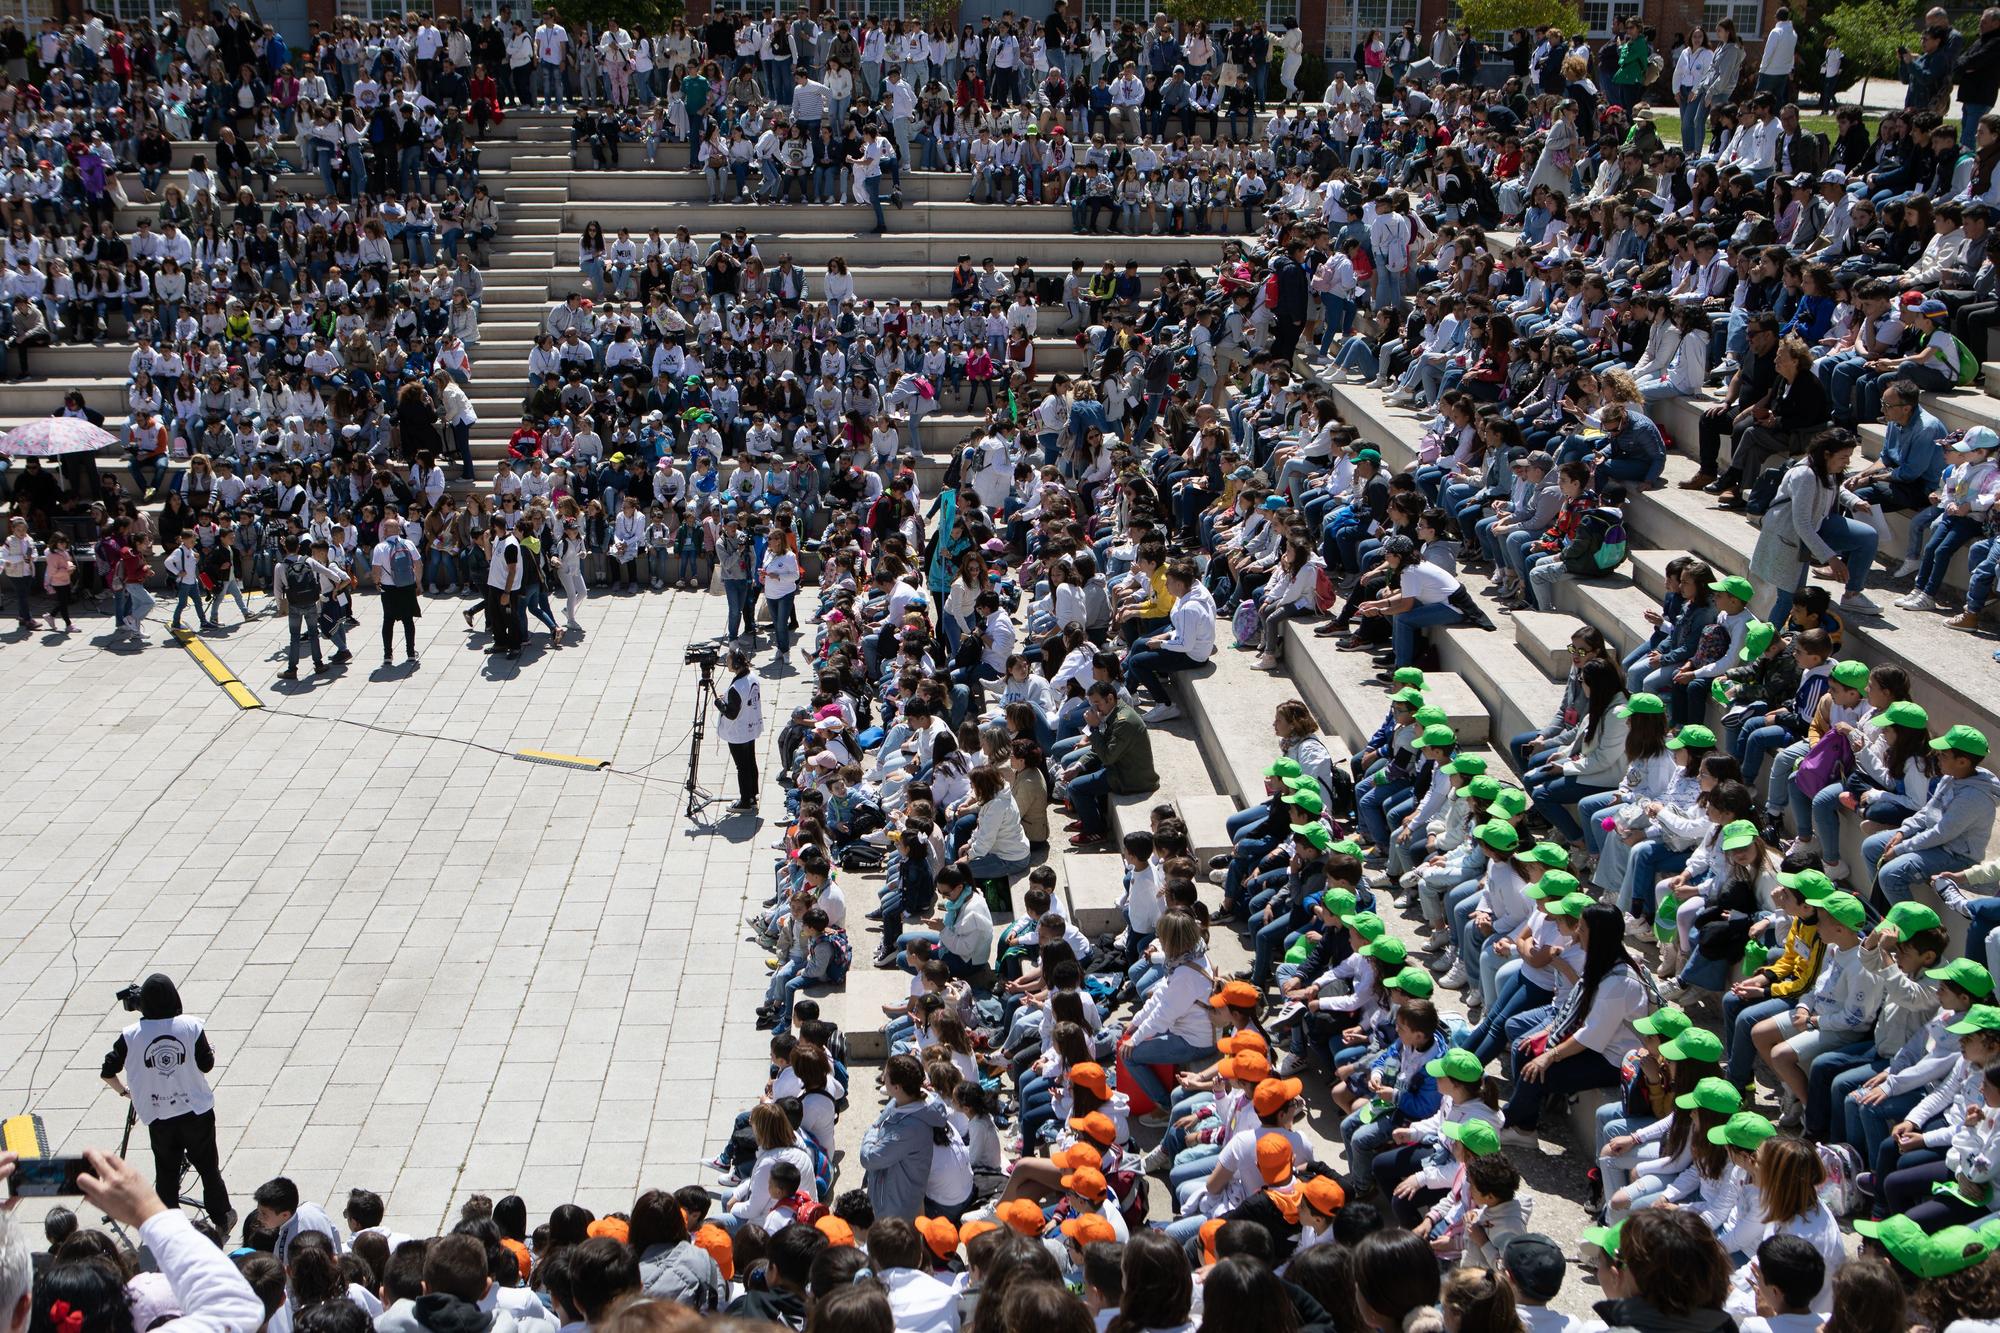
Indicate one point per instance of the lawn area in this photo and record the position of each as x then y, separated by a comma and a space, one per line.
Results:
1669, 125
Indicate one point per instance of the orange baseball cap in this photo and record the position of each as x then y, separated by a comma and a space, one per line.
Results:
1097, 1126
1236, 995
1208, 1230
1274, 1158
522, 1260
1325, 1194
940, 1233
1235, 1043
1273, 1093
1091, 1076
836, 1230
614, 1227
1087, 1181
1248, 1066
1077, 1156
713, 1241
1089, 1229
1023, 1215
970, 1230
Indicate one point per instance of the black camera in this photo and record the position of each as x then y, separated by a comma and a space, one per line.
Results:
705, 655
129, 997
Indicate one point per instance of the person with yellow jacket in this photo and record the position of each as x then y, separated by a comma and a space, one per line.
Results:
1776, 985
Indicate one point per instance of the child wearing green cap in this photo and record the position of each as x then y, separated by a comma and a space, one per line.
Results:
1719, 648
1899, 954
1712, 926
1656, 836
1950, 831
1785, 974
1650, 768
1497, 908
1837, 1014
1778, 709
1930, 1125
1672, 1159
1843, 708
1527, 975
1868, 1106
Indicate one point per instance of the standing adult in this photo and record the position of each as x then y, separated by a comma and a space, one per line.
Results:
1978, 74
161, 1063
1293, 279
1781, 49
503, 586
742, 709
396, 565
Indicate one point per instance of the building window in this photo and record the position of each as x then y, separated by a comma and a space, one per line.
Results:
1749, 16
1348, 22
1602, 16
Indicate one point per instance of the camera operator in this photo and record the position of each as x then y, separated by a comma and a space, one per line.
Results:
742, 709
165, 1058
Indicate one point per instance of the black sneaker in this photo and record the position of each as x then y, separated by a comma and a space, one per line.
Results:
342, 656
289, 673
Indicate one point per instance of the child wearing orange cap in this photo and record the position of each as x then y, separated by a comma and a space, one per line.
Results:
901, 1254
1086, 1193
1205, 1122
1238, 1170
1092, 1141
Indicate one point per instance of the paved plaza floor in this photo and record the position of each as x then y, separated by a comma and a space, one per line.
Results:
427, 967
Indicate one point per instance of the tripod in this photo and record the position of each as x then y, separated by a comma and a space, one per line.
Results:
699, 798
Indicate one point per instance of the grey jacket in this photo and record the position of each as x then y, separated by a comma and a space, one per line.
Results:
1956, 819
683, 1273
896, 1156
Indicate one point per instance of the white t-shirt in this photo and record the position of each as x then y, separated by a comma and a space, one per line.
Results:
1240, 1156
1427, 583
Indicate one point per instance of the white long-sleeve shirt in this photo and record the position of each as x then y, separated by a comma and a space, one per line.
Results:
1178, 1005
212, 1293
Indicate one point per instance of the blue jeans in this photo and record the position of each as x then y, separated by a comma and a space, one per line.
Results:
1753, 747
1738, 1019
1580, 1073
781, 621
1091, 795
1408, 624
1896, 880
1145, 668
1168, 1049
1553, 798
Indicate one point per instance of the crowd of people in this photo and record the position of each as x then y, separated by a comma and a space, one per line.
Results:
1700, 892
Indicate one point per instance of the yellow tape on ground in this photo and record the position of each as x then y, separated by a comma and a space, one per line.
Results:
565, 760
217, 671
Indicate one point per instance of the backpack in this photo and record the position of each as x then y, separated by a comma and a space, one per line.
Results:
822, 1162
1841, 1164
301, 583
1598, 546
1326, 594
1968, 364
843, 955
1246, 622
402, 563
1271, 292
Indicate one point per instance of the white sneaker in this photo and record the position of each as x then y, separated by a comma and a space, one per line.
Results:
1671, 989
1154, 1160
1265, 662
1527, 1139
1455, 977
1917, 601
1164, 713
1219, 878
1289, 1064
1952, 897
1908, 568
1475, 998
1802, 847
1444, 962
1860, 604
1290, 1010
1834, 870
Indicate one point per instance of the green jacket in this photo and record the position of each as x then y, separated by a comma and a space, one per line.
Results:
1124, 750
1632, 58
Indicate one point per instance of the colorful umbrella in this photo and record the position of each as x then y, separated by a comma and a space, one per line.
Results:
49, 437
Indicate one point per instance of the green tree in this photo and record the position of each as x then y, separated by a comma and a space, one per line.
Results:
1506, 15
1212, 11
1869, 33
653, 15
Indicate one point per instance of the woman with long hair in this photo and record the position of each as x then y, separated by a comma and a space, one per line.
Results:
1807, 526
1595, 760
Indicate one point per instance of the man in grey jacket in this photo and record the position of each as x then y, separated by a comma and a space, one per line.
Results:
896, 1150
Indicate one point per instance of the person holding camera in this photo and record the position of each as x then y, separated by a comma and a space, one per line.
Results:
742, 709
161, 1063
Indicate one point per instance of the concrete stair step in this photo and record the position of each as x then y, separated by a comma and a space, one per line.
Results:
1512, 691
1543, 637
1342, 691
1093, 884
1232, 705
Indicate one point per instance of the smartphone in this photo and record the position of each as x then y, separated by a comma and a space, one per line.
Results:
46, 1177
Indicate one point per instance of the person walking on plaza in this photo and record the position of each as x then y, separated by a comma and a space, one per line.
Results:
396, 566
503, 585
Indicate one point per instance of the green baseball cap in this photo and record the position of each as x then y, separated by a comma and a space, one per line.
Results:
1457, 1063
1649, 704
1693, 736
1338, 902
1374, 454
1413, 982
1411, 677
1964, 739
1736, 586
1498, 834
1745, 1130
1388, 951
1737, 834
1605, 1239
1570, 905
1430, 715
1965, 974
1757, 637
1308, 799
1811, 885
1668, 1021
1552, 884
1851, 673
1287, 769
1510, 802
1477, 1137
1950, 1250
1410, 695
1902, 713
1482, 788
1319, 835
1844, 908
1367, 925
1900, 1238
1906, 919
1979, 1018
1438, 734
1711, 1094
1551, 854
1471, 765
1346, 847
1699, 1045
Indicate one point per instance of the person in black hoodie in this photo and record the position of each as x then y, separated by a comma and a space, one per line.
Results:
161, 1062
787, 1269
1664, 1272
